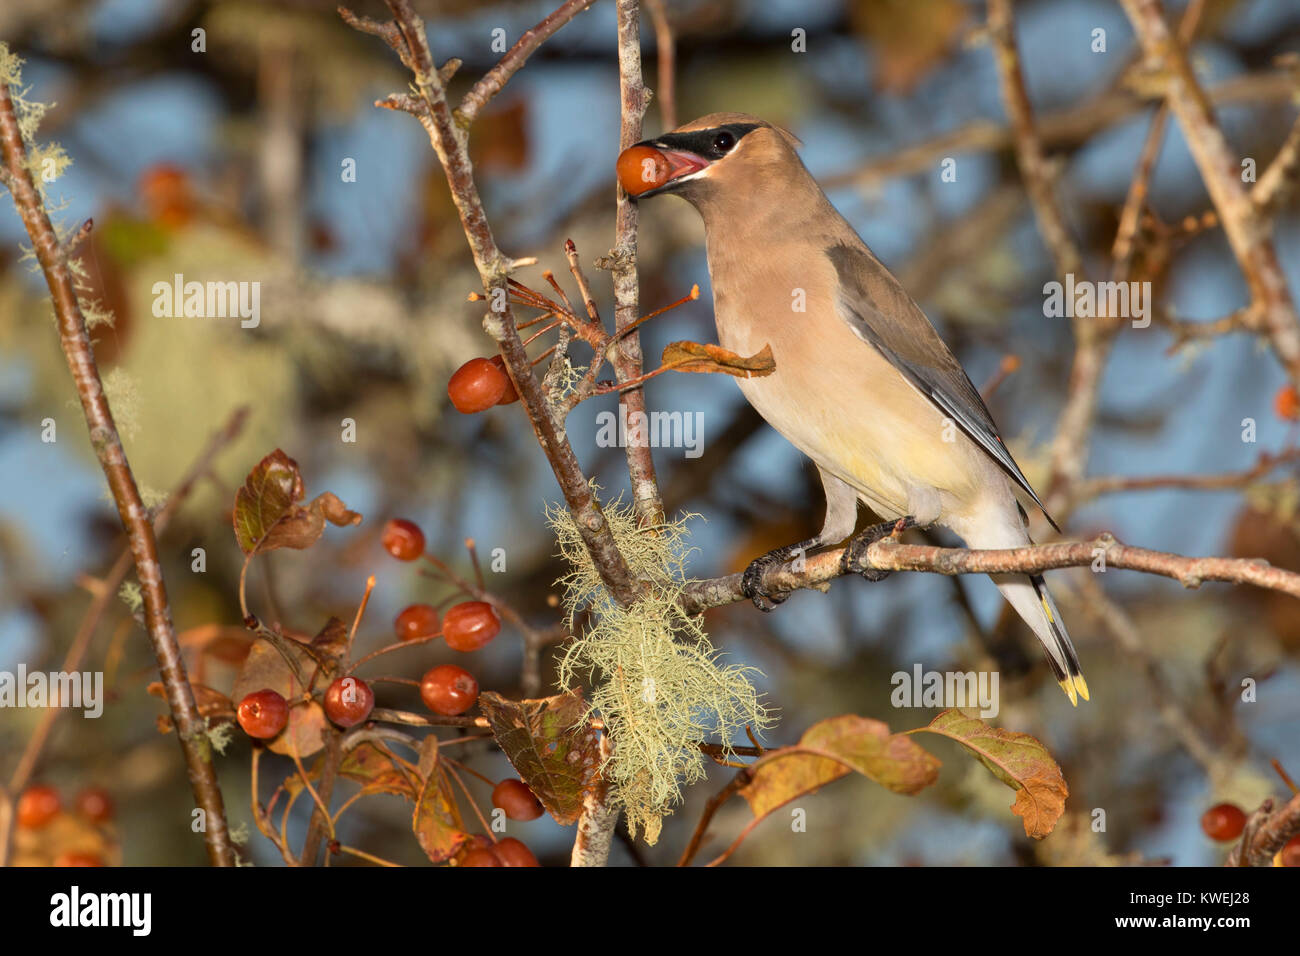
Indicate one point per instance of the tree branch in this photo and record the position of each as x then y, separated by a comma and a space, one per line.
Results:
627, 358
510, 64
405, 34
191, 727
1260, 843
887, 555
1248, 232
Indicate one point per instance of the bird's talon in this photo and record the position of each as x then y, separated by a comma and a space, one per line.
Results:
857, 548
751, 584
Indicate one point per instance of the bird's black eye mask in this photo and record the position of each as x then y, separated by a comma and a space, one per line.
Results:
711, 144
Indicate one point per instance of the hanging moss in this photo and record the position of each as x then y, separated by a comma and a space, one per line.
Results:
657, 682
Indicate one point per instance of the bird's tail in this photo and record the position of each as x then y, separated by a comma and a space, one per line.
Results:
1033, 602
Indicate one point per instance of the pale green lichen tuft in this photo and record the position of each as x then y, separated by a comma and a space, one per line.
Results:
659, 685
240, 833
46, 162
219, 736
131, 596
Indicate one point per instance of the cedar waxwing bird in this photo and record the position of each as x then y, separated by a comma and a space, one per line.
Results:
863, 384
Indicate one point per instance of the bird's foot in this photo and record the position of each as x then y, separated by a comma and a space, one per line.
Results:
751, 583
851, 562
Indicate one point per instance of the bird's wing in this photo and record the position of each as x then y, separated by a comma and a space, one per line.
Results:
881, 313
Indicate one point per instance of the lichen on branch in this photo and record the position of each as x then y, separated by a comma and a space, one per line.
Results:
657, 682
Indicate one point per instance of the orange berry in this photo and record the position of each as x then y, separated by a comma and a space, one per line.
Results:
517, 800
403, 539
38, 806
641, 168
470, 625
477, 385
1287, 403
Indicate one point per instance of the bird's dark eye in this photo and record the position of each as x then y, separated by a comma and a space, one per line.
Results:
723, 142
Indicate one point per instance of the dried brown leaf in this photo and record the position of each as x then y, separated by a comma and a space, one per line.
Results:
697, 357
552, 747
1018, 760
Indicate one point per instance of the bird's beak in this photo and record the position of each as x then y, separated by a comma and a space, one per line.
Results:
681, 164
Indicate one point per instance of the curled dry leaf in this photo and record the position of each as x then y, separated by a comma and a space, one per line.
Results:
332, 639
212, 704
552, 746
377, 772
696, 357
267, 512
436, 822
832, 749
1018, 760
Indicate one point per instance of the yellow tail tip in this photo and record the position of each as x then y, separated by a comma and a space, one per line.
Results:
1082, 686
1068, 686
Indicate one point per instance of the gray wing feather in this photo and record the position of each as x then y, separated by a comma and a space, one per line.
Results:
881, 313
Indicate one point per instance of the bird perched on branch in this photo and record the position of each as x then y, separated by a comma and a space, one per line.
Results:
863, 384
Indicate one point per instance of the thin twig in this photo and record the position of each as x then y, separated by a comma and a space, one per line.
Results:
627, 360
510, 64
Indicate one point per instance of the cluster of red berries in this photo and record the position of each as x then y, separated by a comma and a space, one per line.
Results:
505, 852
1226, 821
446, 689
40, 804
479, 384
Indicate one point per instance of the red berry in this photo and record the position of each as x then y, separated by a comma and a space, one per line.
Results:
480, 857
95, 804
512, 852
642, 168
38, 806
348, 701
448, 690
477, 385
1223, 822
77, 859
403, 539
1291, 852
470, 625
511, 393
418, 620
1287, 403
263, 714
517, 800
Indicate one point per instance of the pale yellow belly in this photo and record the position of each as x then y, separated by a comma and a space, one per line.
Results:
842, 404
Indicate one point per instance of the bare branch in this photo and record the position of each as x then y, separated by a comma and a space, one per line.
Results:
1247, 231
492, 82
1269, 833
449, 141
1062, 129
75, 341
622, 259
1029, 149
887, 555
666, 63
